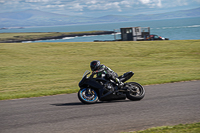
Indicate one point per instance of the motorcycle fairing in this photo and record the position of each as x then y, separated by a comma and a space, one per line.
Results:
103, 93
126, 76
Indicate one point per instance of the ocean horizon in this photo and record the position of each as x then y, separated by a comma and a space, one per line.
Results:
174, 29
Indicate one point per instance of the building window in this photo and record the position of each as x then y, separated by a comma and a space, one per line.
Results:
128, 30
137, 30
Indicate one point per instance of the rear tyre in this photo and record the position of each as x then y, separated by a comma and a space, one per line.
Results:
135, 91
88, 96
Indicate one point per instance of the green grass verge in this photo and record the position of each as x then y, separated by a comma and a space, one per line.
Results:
181, 128
40, 69
28, 36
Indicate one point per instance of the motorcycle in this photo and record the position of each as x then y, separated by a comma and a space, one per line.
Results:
93, 89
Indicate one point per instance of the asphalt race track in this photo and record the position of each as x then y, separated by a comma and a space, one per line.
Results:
166, 104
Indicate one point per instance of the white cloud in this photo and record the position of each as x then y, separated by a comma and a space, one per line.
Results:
99, 7
182, 2
159, 3
145, 1
106, 5
152, 3
91, 2
54, 6
11, 2
120, 5
76, 7
37, 1
113, 5
177, 3
126, 3
2, 1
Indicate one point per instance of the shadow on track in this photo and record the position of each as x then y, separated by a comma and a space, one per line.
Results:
79, 103
68, 104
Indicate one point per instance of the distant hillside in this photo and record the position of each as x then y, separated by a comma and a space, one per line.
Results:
142, 17
39, 18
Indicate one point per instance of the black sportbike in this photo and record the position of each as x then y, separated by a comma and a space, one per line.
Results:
94, 89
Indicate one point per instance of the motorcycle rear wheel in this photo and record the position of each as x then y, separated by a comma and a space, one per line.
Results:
135, 91
87, 97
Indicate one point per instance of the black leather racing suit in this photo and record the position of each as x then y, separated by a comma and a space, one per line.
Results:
109, 73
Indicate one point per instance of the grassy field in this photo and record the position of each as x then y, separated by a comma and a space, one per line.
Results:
186, 128
40, 69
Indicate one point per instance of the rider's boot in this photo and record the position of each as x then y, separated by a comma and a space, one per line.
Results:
120, 84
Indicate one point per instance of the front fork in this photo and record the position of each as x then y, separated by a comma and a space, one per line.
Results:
89, 91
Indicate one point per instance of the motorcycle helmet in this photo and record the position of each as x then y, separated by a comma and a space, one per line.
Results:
94, 65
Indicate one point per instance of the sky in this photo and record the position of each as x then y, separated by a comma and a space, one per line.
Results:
92, 8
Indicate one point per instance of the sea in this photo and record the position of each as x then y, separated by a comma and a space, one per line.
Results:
174, 29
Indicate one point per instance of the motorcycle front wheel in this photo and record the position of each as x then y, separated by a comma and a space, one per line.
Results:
135, 91
87, 95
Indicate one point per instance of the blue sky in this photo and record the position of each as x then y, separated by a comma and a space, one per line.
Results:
99, 8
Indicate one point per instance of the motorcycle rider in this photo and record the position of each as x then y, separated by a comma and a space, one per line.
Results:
99, 69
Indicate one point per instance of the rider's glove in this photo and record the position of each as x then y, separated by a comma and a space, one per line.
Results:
94, 72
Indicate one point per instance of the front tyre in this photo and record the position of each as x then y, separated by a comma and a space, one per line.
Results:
87, 95
135, 91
